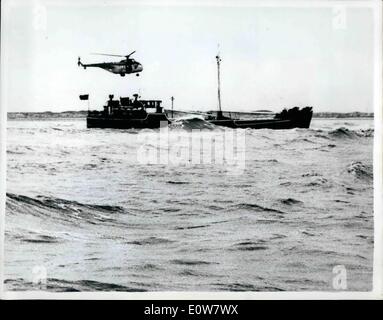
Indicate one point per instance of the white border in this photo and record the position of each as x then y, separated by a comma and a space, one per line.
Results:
377, 291
378, 153
3, 153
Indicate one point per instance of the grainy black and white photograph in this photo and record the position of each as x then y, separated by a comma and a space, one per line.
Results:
215, 146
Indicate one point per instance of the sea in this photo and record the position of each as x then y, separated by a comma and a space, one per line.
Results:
85, 212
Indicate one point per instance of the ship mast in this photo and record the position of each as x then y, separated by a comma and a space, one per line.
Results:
219, 114
172, 98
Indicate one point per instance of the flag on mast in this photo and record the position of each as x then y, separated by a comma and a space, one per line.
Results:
84, 96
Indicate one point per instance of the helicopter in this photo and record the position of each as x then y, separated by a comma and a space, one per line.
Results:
125, 66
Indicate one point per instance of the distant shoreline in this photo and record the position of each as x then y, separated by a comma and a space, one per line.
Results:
83, 113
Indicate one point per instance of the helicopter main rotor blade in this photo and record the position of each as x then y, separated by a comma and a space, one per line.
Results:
111, 55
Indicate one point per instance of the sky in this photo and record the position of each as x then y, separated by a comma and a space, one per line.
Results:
272, 57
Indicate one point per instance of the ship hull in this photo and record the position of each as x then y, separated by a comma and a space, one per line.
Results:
261, 124
152, 121
288, 119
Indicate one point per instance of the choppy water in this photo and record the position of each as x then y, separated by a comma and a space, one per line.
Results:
80, 206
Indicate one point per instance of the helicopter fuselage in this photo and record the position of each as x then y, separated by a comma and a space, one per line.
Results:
122, 67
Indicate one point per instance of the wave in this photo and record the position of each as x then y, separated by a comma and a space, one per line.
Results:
60, 285
191, 262
250, 246
360, 170
177, 182
192, 227
19, 149
314, 136
290, 201
60, 209
151, 241
41, 238
246, 287
343, 132
191, 123
256, 207
319, 181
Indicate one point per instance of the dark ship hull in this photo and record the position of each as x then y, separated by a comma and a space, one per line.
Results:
152, 121
287, 119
